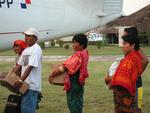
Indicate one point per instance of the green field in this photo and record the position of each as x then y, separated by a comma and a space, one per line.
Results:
93, 50
97, 98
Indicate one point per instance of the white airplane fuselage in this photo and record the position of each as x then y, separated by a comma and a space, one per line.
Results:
53, 18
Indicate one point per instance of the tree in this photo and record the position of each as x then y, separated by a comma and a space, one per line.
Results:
42, 45
66, 46
52, 43
60, 42
99, 44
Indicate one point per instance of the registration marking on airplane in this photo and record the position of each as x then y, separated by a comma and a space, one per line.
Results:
23, 4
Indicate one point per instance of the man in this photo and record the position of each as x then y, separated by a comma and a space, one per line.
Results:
30, 61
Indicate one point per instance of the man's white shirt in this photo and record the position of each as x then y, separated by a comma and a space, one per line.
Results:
32, 56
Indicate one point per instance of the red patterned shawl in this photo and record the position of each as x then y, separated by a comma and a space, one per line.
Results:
128, 71
78, 60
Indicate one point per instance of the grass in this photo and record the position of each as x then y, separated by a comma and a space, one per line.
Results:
93, 50
97, 98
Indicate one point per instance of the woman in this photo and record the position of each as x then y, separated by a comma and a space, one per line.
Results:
76, 68
134, 31
19, 46
124, 80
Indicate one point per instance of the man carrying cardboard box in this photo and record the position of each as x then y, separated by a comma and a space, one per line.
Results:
30, 62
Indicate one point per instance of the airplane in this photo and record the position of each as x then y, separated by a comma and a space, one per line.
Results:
53, 18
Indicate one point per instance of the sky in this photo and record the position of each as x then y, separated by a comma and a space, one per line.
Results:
131, 6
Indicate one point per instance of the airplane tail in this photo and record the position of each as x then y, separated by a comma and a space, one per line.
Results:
112, 9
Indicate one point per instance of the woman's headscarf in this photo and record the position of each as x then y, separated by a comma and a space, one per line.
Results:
20, 43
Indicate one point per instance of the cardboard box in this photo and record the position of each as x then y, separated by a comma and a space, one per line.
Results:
58, 80
3, 74
9, 82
